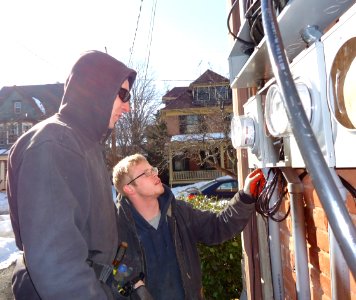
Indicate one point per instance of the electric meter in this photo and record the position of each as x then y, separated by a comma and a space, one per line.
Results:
275, 113
242, 132
247, 131
340, 62
342, 85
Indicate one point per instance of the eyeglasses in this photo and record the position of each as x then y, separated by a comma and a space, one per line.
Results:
147, 173
124, 95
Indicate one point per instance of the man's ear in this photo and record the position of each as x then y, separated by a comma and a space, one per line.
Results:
128, 189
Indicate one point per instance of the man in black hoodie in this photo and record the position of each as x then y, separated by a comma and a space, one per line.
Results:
59, 188
162, 233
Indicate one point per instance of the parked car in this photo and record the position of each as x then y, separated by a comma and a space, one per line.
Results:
221, 188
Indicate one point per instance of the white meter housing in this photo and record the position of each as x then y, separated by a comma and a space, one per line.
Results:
308, 70
340, 60
248, 131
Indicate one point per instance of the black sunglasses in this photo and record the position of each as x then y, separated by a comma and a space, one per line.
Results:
124, 95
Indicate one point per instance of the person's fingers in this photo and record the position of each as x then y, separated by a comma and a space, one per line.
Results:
256, 177
253, 173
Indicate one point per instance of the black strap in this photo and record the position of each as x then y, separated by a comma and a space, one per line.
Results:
349, 187
344, 182
102, 271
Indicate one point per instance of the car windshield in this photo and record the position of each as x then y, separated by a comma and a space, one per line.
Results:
232, 185
203, 187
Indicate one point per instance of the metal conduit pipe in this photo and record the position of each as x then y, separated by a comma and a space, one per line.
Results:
295, 189
275, 249
329, 195
339, 271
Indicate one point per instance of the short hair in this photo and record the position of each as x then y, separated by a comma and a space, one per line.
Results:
121, 171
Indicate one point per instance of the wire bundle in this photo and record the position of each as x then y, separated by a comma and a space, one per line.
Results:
253, 15
263, 202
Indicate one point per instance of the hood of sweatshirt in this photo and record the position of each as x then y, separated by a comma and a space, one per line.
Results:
90, 91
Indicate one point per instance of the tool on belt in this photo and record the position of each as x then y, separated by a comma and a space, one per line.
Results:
116, 274
107, 270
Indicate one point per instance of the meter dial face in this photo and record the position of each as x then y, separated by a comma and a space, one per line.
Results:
275, 113
242, 132
343, 85
306, 99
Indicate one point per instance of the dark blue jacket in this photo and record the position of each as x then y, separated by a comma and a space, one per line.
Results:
188, 227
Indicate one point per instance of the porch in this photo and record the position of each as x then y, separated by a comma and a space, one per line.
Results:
189, 177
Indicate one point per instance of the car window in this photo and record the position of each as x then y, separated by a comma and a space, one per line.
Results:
203, 187
230, 186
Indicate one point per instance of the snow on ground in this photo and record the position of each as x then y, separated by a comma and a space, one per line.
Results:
8, 249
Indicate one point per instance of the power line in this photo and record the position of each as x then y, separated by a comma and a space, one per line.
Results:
151, 35
133, 42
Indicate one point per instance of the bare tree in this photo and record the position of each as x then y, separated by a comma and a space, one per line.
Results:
129, 135
210, 141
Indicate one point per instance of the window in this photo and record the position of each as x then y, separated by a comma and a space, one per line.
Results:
180, 163
12, 133
17, 107
228, 186
203, 94
221, 93
26, 126
212, 95
190, 123
2, 135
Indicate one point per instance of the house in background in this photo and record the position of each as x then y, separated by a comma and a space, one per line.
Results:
21, 107
198, 116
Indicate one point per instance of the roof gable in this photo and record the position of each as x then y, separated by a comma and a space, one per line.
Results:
183, 97
49, 95
210, 78
175, 92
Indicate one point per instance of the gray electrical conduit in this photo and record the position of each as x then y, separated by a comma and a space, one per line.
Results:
295, 189
340, 282
330, 198
275, 249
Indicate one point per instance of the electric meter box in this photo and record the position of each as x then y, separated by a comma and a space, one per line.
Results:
340, 61
308, 71
248, 131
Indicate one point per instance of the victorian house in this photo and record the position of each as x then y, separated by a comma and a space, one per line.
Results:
198, 124
21, 107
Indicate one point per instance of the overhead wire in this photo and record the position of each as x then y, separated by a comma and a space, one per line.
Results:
153, 15
134, 39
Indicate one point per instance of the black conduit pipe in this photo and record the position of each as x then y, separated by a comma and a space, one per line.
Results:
330, 198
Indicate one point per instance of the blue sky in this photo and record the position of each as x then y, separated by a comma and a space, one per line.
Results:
41, 39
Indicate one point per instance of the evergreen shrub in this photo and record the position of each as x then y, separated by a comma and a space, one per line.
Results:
221, 264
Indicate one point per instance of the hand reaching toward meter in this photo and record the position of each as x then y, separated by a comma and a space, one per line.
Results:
254, 183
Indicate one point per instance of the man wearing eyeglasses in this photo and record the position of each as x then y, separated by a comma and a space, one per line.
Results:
162, 233
59, 189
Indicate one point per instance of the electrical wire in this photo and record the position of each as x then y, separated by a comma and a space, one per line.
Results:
345, 183
253, 14
134, 39
246, 43
263, 201
150, 36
